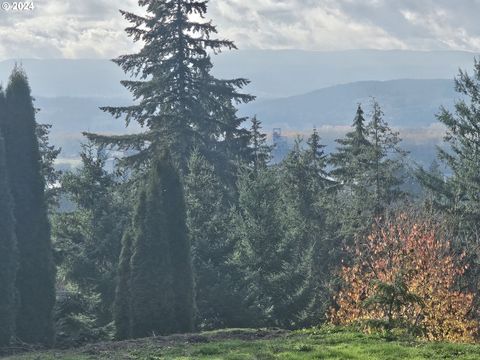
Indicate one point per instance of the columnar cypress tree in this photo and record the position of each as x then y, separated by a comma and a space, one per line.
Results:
36, 274
179, 102
8, 248
161, 280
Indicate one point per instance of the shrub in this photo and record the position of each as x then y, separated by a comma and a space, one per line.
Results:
405, 275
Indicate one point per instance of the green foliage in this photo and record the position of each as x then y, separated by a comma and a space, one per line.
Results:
87, 239
274, 277
75, 319
180, 103
36, 274
368, 164
457, 196
219, 303
161, 281
49, 154
261, 152
392, 297
8, 248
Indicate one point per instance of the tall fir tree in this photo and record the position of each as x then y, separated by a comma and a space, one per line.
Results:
458, 195
307, 188
8, 246
387, 170
180, 103
161, 280
351, 162
267, 253
36, 274
368, 164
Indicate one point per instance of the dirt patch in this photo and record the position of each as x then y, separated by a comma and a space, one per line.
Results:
158, 342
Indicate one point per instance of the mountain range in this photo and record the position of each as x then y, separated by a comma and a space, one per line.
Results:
297, 90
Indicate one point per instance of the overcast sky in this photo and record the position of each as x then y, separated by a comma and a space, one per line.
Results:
94, 28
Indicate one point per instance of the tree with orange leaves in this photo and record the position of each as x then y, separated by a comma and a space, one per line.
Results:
404, 274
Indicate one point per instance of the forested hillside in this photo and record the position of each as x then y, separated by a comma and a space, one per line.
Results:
183, 224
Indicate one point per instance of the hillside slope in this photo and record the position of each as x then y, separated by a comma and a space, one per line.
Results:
406, 103
274, 73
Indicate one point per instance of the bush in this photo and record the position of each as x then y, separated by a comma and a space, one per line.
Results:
75, 320
404, 276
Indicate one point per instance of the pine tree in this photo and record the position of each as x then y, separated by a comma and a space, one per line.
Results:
161, 281
351, 158
307, 189
8, 248
463, 155
387, 165
49, 154
36, 274
351, 163
369, 167
261, 152
458, 196
180, 103
88, 239
267, 253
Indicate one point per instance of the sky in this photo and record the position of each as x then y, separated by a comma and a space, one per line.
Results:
94, 28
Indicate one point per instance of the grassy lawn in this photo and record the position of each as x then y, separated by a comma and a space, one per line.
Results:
265, 345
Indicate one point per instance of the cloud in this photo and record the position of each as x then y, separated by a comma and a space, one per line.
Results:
94, 28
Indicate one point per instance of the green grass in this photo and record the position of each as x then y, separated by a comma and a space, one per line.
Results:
325, 343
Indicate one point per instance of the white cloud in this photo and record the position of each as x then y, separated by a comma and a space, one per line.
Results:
94, 28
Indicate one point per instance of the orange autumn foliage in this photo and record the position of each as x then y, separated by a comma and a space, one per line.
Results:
417, 253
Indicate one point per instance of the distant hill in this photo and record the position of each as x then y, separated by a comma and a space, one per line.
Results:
296, 90
274, 73
406, 103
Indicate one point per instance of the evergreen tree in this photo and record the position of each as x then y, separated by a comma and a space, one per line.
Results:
261, 152
49, 154
306, 187
458, 196
386, 171
161, 281
369, 167
180, 103
36, 274
88, 237
267, 255
463, 155
219, 303
352, 162
351, 158
8, 248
